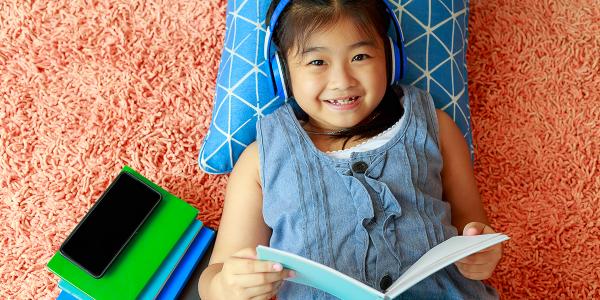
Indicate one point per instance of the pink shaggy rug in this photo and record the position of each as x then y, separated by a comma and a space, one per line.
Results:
89, 86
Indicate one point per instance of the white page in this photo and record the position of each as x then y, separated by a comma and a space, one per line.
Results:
439, 252
336, 283
441, 256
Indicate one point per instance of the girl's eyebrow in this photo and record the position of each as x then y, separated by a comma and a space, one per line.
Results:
363, 43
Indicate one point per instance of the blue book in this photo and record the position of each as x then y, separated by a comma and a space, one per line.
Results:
64, 295
184, 270
319, 276
168, 266
74, 292
160, 277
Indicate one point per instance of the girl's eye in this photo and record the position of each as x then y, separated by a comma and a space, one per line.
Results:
360, 57
317, 62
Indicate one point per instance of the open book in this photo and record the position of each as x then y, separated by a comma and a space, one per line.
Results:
342, 286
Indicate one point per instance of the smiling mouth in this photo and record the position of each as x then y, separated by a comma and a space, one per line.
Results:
343, 101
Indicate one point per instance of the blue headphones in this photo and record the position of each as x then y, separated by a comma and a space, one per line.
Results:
276, 64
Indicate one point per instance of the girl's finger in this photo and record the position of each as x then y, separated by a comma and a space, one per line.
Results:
259, 279
246, 266
269, 295
477, 275
265, 296
469, 268
260, 290
461, 263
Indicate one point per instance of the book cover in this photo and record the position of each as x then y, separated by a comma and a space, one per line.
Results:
141, 258
73, 291
160, 277
342, 286
185, 268
65, 296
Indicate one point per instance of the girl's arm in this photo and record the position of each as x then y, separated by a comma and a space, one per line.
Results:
458, 180
242, 225
460, 190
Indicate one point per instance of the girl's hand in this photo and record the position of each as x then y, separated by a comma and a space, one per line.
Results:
480, 265
245, 277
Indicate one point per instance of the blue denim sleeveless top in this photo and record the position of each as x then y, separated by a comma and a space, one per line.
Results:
371, 216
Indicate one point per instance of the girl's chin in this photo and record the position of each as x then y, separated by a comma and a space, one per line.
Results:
342, 124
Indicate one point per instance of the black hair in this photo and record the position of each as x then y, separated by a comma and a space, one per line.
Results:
301, 18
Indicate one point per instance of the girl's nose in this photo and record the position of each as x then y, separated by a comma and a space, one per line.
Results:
341, 78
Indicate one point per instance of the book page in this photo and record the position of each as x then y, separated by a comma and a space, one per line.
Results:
319, 276
442, 255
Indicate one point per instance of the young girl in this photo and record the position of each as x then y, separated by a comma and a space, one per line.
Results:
361, 178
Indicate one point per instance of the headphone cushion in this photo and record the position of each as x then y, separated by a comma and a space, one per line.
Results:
278, 76
396, 63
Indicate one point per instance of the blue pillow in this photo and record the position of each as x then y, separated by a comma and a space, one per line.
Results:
435, 34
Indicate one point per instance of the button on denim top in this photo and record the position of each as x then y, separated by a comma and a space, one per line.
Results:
371, 216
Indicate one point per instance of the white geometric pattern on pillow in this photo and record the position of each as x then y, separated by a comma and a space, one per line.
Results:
435, 33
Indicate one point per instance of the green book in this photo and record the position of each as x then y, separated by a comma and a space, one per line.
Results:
143, 255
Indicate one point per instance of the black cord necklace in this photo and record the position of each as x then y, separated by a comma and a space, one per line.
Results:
337, 132
332, 133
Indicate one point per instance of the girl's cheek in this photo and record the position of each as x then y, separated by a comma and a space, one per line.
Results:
314, 78
308, 86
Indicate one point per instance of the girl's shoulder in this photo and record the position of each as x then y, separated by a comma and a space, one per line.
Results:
451, 139
248, 166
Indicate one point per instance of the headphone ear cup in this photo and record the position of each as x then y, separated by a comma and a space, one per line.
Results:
279, 76
396, 62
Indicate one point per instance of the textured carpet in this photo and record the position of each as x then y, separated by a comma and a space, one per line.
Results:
89, 86
534, 70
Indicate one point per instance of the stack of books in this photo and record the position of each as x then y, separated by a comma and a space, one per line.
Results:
155, 264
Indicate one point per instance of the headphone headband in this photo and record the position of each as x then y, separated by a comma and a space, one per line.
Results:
272, 23
397, 28
397, 55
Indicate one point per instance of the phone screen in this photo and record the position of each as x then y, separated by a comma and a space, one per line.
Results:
110, 224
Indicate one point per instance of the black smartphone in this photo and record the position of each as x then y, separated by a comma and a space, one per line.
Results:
109, 225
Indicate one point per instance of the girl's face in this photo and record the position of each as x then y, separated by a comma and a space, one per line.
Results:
340, 77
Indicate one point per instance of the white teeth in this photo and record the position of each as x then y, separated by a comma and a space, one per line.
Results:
344, 101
